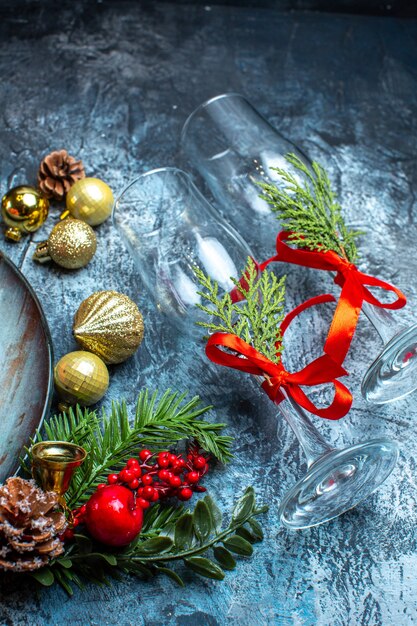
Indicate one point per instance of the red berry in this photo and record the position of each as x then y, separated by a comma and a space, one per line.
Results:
140, 491
177, 467
144, 455
144, 504
192, 477
67, 535
112, 516
163, 461
112, 479
75, 522
147, 480
185, 494
181, 462
163, 474
134, 484
172, 459
101, 485
136, 471
199, 462
155, 496
132, 463
83, 509
126, 475
175, 481
148, 493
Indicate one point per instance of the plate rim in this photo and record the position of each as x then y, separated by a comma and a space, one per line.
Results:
48, 337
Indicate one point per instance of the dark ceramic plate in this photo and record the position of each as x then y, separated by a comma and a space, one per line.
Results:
26, 365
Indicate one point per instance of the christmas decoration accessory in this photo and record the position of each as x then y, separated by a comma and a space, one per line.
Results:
80, 377
90, 200
169, 533
113, 515
109, 324
30, 526
252, 333
71, 244
24, 210
58, 171
312, 218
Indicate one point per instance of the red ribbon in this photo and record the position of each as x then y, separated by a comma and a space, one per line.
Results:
322, 370
354, 291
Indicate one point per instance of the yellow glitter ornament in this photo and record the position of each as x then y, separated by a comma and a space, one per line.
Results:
80, 377
90, 200
71, 244
24, 209
109, 324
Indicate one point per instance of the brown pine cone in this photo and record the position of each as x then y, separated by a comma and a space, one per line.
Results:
58, 171
30, 525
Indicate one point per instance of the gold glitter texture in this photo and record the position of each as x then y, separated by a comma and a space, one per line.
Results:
81, 377
109, 324
90, 200
71, 244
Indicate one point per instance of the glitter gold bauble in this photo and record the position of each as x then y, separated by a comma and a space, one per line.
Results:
109, 324
90, 200
24, 209
71, 244
81, 377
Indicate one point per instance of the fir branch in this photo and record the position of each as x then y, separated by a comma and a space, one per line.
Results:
256, 318
307, 207
198, 539
158, 424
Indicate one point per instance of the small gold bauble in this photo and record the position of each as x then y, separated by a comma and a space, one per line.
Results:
71, 244
90, 200
24, 209
81, 377
109, 324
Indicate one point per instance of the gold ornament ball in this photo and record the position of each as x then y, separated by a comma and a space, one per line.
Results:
109, 324
81, 377
71, 244
24, 209
90, 200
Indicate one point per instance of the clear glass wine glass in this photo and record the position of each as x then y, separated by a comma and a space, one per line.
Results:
233, 147
169, 228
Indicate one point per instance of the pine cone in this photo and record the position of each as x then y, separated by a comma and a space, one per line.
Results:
58, 172
29, 526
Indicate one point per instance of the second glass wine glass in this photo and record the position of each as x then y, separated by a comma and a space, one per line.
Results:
169, 228
233, 148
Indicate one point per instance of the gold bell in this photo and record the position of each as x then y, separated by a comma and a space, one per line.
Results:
54, 464
24, 209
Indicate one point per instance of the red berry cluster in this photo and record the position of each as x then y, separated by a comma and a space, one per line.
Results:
162, 475
156, 476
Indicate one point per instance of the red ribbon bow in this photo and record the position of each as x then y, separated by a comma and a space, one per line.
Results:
322, 370
354, 291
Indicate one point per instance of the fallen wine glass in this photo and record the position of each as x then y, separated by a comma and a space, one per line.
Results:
169, 229
234, 148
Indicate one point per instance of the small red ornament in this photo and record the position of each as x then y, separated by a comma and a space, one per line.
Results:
113, 516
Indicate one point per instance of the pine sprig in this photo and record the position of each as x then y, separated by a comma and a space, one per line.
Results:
159, 423
256, 318
198, 539
307, 206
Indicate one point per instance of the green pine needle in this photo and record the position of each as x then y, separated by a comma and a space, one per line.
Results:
159, 424
256, 319
307, 206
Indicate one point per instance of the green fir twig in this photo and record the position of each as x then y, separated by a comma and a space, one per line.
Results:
159, 423
306, 206
256, 318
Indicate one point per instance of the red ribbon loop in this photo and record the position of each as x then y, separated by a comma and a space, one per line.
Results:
354, 284
320, 371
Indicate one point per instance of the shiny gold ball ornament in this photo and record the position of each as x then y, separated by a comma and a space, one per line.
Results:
109, 324
24, 209
81, 377
71, 244
90, 200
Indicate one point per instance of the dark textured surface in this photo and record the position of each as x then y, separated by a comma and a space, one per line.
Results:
113, 83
